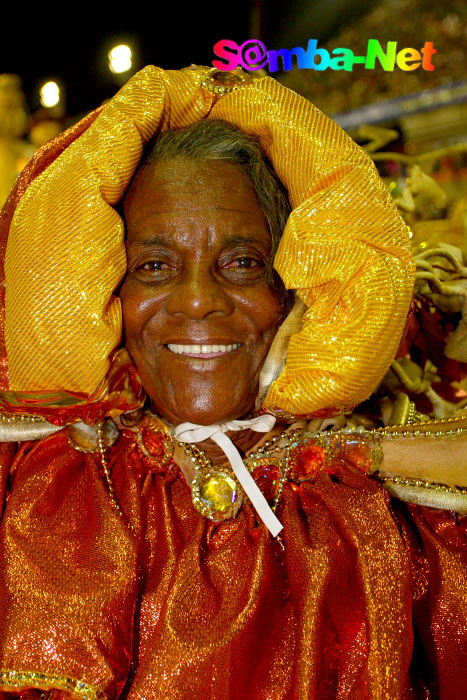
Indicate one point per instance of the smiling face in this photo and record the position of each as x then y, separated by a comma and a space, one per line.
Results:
199, 309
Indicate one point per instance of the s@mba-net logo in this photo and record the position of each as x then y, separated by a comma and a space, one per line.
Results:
253, 55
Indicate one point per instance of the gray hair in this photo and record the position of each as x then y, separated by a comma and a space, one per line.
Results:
219, 140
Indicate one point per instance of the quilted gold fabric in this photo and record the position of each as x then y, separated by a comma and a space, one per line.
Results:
345, 249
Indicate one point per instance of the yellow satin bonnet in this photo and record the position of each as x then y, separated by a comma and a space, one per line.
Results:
345, 249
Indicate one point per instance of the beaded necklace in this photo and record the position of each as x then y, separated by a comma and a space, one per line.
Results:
215, 491
295, 455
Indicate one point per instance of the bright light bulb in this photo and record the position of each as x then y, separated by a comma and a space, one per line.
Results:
50, 94
120, 58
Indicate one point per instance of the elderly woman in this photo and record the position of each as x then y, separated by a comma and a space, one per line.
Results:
172, 527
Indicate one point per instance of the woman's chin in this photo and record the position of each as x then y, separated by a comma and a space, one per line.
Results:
202, 415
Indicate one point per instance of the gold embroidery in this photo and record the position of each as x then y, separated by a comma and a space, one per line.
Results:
105, 467
424, 493
425, 428
421, 483
21, 418
17, 680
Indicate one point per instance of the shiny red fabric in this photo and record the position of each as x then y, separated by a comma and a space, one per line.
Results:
366, 601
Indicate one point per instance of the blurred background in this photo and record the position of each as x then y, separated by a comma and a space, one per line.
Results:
63, 70
54, 68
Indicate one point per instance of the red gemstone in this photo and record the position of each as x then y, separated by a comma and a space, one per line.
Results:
357, 453
309, 460
267, 478
154, 442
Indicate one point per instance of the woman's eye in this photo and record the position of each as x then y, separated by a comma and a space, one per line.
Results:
154, 266
154, 271
244, 263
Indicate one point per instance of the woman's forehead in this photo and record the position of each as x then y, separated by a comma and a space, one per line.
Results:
190, 194
205, 181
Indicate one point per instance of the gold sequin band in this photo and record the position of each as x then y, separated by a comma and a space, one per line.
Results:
105, 467
20, 418
19, 680
445, 427
402, 481
424, 493
16, 428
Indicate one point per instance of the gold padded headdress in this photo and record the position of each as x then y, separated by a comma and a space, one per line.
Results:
345, 249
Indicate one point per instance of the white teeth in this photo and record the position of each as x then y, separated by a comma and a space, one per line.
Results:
201, 349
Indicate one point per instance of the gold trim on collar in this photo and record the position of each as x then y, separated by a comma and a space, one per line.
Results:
19, 680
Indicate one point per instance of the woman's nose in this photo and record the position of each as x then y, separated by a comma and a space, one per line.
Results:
198, 295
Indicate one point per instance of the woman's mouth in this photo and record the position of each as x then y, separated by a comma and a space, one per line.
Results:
206, 351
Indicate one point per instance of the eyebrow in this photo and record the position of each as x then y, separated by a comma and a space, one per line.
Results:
152, 240
176, 211
230, 240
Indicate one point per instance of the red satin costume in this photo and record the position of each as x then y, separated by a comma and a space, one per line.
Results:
366, 601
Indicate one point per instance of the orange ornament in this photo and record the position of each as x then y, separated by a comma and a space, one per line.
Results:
267, 478
357, 453
153, 442
308, 460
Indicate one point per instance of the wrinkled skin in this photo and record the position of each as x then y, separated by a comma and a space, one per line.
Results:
198, 244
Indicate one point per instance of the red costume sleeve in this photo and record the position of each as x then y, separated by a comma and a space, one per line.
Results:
367, 601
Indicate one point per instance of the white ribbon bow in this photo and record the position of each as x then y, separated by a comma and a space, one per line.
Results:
190, 432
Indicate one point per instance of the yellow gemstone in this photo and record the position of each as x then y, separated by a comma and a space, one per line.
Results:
219, 493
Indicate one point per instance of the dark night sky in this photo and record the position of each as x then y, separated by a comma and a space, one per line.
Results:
73, 51
72, 48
